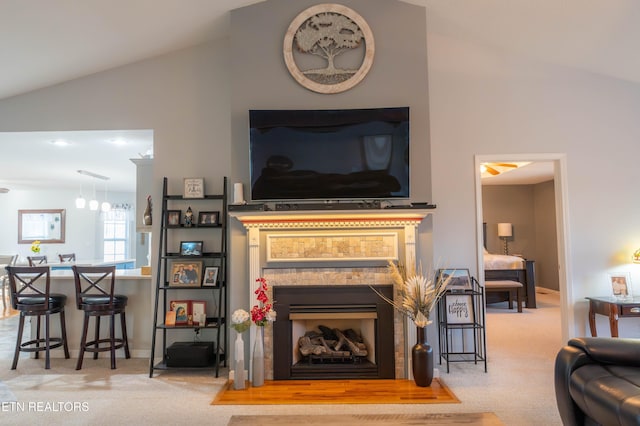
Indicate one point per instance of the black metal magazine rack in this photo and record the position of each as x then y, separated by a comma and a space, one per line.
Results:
461, 326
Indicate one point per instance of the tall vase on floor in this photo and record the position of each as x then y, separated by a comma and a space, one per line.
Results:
422, 359
257, 378
238, 377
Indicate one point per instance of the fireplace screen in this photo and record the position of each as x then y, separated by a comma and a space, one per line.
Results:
349, 338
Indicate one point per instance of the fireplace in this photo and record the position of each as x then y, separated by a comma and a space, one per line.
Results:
355, 308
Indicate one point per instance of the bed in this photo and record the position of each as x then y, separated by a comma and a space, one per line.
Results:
503, 267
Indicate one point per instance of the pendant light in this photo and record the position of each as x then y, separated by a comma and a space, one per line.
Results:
80, 201
105, 206
93, 204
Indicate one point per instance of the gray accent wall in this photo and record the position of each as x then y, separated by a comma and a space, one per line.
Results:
531, 210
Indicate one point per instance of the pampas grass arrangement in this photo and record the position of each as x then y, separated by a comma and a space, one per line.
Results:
419, 293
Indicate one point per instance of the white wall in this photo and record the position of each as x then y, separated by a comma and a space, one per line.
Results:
485, 103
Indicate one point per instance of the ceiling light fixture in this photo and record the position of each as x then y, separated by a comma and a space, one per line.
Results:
93, 175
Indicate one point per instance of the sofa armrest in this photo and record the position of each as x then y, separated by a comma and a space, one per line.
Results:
605, 350
568, 359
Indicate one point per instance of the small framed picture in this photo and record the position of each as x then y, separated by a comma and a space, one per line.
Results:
173, 218
460, 279
459, 308
182, 308
193, 188
191, 248
208, 218
210, 276
185, 274
199, 312
621, 285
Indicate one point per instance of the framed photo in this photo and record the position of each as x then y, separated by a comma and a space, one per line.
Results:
173, 218
621, 285
210, 276
459, 308
208, 218
191, 248
199, 311
460, 279
182, 308
193, 188
185, 273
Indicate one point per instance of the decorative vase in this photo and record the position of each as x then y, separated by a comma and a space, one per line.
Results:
258, 358
238, 378
146, 216
422, 359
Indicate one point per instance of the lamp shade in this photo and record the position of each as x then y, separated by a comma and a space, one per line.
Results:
505, 230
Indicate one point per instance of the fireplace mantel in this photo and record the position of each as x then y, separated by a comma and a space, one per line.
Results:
384, 224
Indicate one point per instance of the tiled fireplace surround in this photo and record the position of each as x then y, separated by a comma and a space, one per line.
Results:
332, 248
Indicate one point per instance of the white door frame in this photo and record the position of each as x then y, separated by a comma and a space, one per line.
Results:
567, 317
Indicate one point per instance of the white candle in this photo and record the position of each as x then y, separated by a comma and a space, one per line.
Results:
238, 195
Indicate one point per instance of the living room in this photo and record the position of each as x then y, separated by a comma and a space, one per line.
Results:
468, 97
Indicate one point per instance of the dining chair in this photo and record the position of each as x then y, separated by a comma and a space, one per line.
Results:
37, 260
4, 278
95, 295
69, 257
31, 296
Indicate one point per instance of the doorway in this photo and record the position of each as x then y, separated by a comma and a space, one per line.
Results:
561, 201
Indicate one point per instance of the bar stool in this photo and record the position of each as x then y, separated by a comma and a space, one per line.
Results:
30, 296
69, 257
95, 296
37, 260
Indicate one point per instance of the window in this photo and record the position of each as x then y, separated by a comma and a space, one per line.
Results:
116, 235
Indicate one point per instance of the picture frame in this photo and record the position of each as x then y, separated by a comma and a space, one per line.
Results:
620, 283
193, 188
185, 273
173, 218
210, 276
199, 312
182, 308
46, 226
459, 308
209, 218
460, 281
191, 248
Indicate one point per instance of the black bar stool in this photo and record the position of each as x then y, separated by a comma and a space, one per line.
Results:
30, 296
95, 296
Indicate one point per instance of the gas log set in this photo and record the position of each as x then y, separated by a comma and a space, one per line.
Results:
332, 345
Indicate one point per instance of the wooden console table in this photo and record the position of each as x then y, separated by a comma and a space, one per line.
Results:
614, 309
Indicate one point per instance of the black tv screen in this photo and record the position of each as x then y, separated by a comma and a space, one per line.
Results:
354, 154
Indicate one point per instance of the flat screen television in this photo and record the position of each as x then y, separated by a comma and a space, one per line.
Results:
348, 154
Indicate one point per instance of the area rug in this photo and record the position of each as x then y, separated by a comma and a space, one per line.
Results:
467, 419
5, 394
279, 392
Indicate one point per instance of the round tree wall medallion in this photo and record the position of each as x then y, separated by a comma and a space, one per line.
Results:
328, 48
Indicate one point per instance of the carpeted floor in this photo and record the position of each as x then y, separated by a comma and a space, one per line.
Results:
468, 419
5, 394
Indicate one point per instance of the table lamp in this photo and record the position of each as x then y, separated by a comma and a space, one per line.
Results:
636, 256
505, 231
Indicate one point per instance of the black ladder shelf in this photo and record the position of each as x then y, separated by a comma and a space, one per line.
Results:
172, 234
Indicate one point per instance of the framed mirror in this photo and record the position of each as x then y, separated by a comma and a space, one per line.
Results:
46, 226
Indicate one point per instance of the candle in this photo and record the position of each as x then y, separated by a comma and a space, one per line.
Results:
238, 196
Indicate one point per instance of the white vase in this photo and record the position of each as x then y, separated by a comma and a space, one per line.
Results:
238, 378
257, 378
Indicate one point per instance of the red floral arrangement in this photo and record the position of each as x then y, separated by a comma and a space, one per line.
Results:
263, 312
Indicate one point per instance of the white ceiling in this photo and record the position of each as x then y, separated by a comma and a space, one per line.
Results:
43, 43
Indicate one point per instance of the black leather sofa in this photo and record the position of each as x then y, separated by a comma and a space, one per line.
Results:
597, 381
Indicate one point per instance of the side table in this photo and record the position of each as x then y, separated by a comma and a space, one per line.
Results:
612, 308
